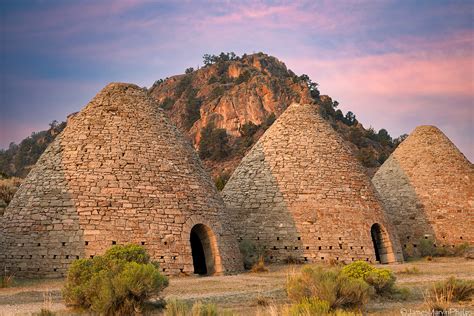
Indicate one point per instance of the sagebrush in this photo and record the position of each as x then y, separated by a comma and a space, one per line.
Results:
450, 290
382, 280
119, 282
330, 285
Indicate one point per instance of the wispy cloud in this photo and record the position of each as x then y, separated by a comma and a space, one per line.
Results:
396, 64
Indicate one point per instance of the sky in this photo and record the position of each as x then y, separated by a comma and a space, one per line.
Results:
395, 64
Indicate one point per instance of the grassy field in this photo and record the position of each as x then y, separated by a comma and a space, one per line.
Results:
250, 293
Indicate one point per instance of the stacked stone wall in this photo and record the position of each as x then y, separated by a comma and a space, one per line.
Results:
119, 173
428, 190
301, 195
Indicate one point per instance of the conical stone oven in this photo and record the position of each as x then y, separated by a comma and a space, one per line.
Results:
119, 173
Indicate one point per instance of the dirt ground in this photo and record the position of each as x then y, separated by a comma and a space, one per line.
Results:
242, 293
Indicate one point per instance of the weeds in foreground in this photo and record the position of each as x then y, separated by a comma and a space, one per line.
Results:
410, 270
176, 307
330, 285
47, 305
6, 280
441, 295
309, 307
45, 312
262, 300
204, 309
259, 266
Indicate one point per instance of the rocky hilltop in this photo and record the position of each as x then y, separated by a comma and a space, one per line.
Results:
242, 96
229, 93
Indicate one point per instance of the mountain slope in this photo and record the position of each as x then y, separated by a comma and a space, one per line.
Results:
242, 96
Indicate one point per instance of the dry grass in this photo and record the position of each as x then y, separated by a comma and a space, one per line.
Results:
259, 266
7, 280
262, 300
8, 187
410, 271
441, 295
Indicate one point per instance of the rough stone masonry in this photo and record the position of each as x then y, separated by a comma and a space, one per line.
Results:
428, 190
119, 173
300, 194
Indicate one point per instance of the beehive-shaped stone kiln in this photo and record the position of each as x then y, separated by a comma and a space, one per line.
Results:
119, 173
428, 189
300, 194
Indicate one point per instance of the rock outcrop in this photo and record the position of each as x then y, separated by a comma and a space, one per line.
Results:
428, 190
231, 94
300, 194
119, 173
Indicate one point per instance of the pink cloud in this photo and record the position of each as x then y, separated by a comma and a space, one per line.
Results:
417, 67
323, 16
422, 83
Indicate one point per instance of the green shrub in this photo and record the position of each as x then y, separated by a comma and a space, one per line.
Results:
408, 252
310, 306
248, 129
128, 253
332, 286
221, 181
358, 269
212, 80
214, 143
243, 77
460, 250
167, 103
184, 84
192, 107
400, 293
269, 120
426, 247
217, 92
250, 253
119, 282
367, 157
383, 280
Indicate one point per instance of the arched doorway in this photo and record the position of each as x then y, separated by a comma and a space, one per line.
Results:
382, 245
206, 259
